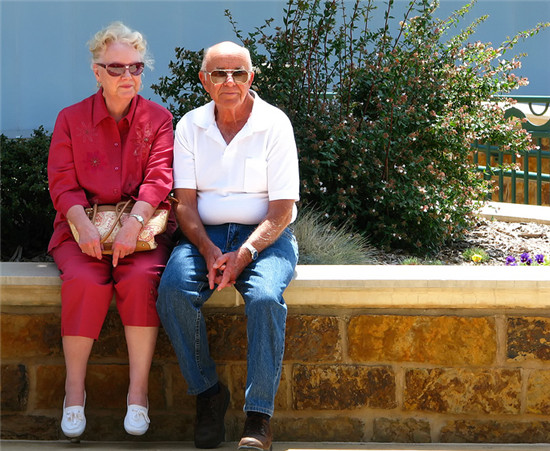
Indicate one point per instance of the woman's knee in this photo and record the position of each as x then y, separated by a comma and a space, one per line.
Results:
85, 277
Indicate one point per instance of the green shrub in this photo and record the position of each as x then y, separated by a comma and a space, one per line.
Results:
384, 117
26, 209
322, 243
182, 91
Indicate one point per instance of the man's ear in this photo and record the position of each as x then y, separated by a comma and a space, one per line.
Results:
203, 78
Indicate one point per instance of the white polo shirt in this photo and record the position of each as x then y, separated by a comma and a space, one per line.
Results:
236, 181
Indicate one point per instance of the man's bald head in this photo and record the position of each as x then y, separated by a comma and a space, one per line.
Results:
226, 48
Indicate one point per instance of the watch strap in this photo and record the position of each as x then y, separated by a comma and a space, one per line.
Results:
139, 218
253, 251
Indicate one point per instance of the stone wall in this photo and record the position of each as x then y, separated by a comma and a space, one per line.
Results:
373, 353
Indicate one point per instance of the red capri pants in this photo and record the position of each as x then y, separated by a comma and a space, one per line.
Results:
88, 285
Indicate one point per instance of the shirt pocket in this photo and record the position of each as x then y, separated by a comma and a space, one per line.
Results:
255, 175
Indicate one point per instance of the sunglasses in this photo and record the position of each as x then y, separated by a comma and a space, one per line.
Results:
219, 76
117, 69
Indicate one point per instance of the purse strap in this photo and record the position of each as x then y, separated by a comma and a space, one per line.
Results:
118, 210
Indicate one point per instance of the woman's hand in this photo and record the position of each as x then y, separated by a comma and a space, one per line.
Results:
126, 239
88, 236
89, 241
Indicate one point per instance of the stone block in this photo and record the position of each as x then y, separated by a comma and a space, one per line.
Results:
318, 429
237, 384
463, 391
30, 335
311, 428
227, 336
343, 387
50, 387
157, 388
107, 387
111, 342
284, 392
167, 427
15, 388
538, 392
104, 427
440, 340
528, 339
401, 430
475, 431
237, 376
110, 381
30, 427
313, 339
164, 351
164, 427
180, 400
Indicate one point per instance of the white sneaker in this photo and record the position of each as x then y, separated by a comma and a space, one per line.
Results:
137, 421
73, 421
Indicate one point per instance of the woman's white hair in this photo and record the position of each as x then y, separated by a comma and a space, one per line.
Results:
118, 32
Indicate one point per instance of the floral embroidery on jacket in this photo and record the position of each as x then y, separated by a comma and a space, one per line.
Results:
94, 160
87, 132
143, 139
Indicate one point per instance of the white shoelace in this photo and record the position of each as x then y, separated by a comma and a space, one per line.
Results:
138, 414
74, 416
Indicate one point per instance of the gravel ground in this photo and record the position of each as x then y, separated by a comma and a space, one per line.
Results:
497, 238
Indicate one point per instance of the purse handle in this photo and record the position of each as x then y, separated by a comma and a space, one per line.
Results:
119, 210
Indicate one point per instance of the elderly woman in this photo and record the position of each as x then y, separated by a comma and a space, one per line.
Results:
112, 146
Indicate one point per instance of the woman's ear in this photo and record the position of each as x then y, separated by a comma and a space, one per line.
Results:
95, 70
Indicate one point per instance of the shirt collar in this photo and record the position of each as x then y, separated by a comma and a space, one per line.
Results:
100, 109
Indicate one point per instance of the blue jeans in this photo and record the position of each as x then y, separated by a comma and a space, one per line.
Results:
184, 289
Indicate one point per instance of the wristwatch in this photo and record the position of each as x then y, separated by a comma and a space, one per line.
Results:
139, 218
252, 249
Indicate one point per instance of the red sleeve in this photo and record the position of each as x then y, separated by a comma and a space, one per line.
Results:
65, 190
158, 175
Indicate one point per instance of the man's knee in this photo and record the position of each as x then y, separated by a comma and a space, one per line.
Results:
178, 290
264, 302
171, 280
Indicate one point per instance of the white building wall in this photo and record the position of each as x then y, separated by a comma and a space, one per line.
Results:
45, 64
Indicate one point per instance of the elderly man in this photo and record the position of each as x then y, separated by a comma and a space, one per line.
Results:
236, 180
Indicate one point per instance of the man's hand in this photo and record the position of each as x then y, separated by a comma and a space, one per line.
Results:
214, 272
230, 266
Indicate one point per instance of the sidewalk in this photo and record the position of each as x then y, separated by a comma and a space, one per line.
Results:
8, 445
503, 211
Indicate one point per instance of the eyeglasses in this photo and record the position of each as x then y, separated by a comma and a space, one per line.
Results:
219, 76
117, 69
